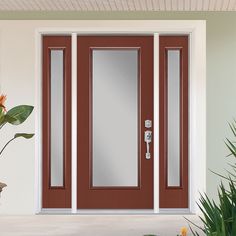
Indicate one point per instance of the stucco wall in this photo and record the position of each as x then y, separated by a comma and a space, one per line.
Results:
17, 80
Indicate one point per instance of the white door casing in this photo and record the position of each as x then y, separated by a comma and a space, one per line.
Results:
197, 101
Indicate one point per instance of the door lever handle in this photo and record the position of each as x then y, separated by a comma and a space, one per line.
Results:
148, 140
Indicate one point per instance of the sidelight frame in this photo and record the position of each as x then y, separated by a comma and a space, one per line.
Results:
196, 29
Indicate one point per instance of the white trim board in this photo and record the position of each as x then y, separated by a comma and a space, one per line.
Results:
74, 124
156, 122
197, 96
38, 123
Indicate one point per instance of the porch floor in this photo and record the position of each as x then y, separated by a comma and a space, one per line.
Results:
93, 225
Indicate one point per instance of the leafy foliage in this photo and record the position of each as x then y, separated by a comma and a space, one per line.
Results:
19, 114
23, 135
220, 219
15, 116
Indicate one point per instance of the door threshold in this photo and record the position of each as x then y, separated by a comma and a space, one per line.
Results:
115, 211
68, 211
55, 211
174, 211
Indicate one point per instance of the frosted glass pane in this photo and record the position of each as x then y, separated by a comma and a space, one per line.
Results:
57, 118
173, 118
115, 117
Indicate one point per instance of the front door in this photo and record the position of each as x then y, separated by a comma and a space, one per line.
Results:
115, 122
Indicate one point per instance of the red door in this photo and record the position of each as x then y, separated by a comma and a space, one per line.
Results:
115, 98
173, 122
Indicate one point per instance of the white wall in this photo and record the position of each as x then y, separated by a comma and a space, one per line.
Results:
17, 80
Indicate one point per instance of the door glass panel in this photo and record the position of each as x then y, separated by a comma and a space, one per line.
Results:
115, 117
173, 71
56, 110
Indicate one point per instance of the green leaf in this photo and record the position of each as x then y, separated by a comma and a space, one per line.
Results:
19, 114
24, 135
6, 119
233, 128
1, 111
194, 233
9, 119
231, 147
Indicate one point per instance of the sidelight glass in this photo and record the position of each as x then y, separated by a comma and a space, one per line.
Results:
56, 123
115, 117
173, 81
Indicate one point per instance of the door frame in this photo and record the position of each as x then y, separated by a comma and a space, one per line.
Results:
196, 29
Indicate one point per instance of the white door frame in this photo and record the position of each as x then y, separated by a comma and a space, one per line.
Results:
196, 29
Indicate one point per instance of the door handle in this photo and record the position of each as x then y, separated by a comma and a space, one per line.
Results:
148, 140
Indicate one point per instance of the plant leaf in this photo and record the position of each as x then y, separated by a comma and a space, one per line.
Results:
24, 135
9, 119
6, 119
19, 114
233, 128
219, 219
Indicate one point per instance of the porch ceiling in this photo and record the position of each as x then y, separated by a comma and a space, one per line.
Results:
117, 5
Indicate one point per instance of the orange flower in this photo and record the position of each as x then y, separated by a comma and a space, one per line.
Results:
183, 231
2, 101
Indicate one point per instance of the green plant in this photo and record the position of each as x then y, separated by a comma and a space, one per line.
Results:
220, 219
15, 116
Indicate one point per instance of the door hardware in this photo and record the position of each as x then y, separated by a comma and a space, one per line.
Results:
148, 124
148, 139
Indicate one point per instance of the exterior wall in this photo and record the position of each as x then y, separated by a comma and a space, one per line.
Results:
17, 72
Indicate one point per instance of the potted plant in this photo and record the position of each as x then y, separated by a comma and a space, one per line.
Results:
15, 116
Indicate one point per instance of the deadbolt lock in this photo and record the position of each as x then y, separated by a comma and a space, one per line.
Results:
148, 124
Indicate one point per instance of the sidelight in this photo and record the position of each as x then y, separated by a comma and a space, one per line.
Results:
173, 121
56, 121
